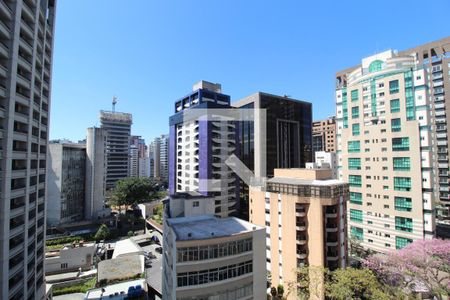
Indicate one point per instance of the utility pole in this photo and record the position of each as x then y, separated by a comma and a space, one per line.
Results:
114, 102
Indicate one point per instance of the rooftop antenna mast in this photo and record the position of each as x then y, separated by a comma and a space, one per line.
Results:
114, 102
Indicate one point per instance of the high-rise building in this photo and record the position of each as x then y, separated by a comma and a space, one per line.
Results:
151, 159
200, 144
159, 158
118, 129
386, 149
133, 169
95, 173
26, 51
303, 211
66, 183
435, 58
285, 134
324, 135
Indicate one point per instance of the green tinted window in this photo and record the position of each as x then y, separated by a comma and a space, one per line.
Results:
395, 105
402, 163
396, 125
403, 204
403, 224
356, 215
355, 198
355, 129
354, 95
355, 112
393, 87
357, 233
401, 242
354, 180
354, 163
400, 144
353, 146
402, 184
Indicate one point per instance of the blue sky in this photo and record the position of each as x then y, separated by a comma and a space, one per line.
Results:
149, 53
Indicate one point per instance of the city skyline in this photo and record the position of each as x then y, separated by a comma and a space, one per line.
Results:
124, 60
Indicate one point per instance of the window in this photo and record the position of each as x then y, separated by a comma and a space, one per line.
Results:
356, 215
396, 125
354, 180
355, 129
355, 198
354, 163
353, 146
393, 87
195, 204
403, 224
403, 204
401, 242
402, 163
375, 66
355, 112
395, 105
354, 95
400, 144
64, 266
402, 184
357, 233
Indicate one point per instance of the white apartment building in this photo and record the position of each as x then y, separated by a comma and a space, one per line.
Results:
385, 150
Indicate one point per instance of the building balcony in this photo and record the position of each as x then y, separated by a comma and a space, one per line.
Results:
2, 92
5, 9
302, 254
332, 255
301, 239
332, 228
17, 230
331, 214
3, 71
300, 226
332, 242
28, 10
300, 213
4, 50
4, 28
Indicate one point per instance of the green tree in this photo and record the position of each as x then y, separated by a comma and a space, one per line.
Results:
307, 285
102, 233
133, 190
359, 284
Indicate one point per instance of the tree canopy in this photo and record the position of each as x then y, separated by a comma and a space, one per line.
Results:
422, 266
102, 233
133, 190
359, 284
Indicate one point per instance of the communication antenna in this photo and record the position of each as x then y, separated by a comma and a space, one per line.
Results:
114, 102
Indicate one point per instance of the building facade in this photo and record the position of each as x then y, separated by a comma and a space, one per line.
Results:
66, 183
386, 150
282, 140
304, 212
200, 144
324, 135
435, 58
159, 158
95, 174
133, 169
213, 258
118, 130
327, 159
26, 51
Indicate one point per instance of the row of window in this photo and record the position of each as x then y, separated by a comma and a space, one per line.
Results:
399, 163
398, 144
400, 183
214, 251
401, 223
358, 234
238, 293
214, 275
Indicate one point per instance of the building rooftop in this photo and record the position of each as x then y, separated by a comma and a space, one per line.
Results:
208, 226
116, 291
121, 268
127, 246
299, 181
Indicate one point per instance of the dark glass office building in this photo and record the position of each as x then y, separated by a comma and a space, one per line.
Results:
286, 134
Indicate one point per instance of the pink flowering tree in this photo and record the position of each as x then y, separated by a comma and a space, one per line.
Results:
422, 266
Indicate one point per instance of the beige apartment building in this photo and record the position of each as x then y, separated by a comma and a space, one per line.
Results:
324, 135
386, 150
303, 211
